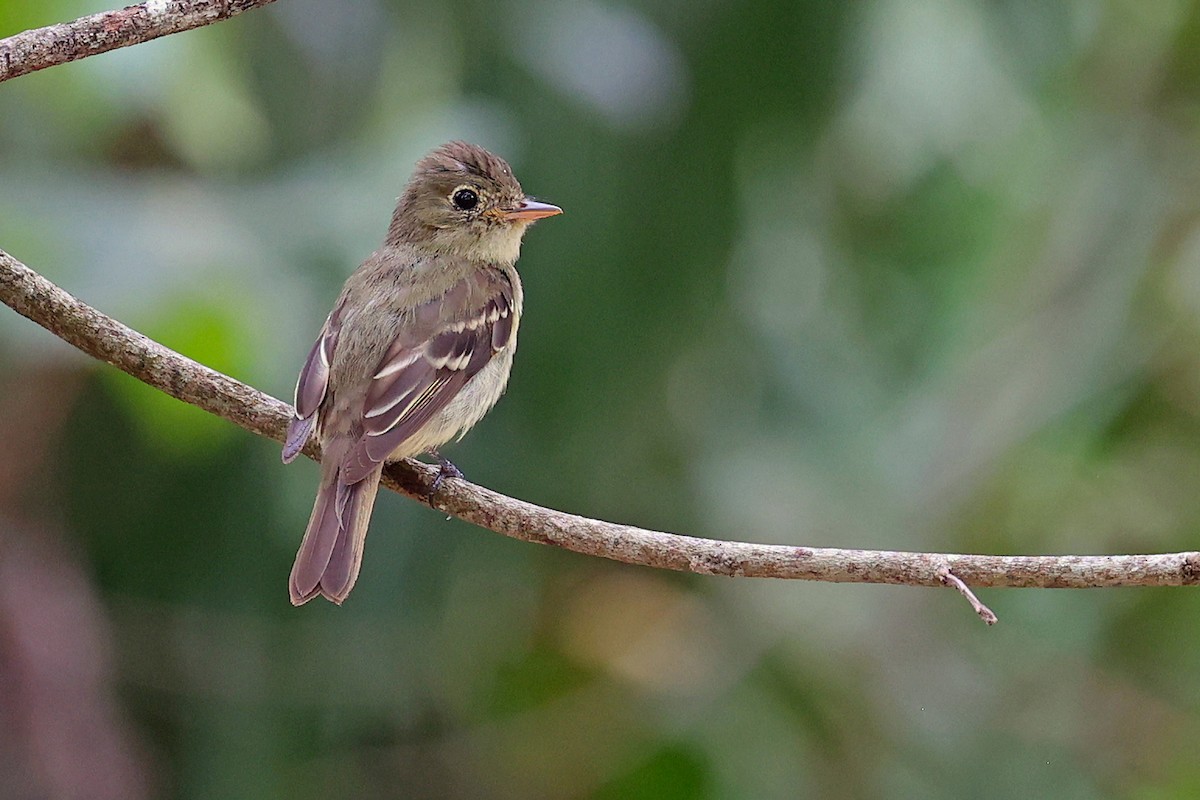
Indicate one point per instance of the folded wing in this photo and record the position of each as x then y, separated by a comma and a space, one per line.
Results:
312, 386
451, 339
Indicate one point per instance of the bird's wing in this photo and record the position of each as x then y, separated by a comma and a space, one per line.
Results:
450, 340
312, 385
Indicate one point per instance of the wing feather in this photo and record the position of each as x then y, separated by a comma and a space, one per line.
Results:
416, 379
312, 386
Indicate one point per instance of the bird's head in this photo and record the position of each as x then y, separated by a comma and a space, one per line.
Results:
464, 201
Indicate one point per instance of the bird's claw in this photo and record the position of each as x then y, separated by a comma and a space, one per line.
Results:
446, 469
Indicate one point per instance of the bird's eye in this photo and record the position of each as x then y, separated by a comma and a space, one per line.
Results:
465, 199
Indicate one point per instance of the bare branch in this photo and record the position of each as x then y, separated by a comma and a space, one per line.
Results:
88, 36
108, 340
953, 581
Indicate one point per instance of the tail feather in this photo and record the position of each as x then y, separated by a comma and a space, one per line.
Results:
317, 545
331, 553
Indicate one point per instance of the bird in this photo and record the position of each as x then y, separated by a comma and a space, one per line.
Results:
417, 349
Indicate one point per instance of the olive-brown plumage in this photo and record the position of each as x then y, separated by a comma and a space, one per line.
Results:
417, 349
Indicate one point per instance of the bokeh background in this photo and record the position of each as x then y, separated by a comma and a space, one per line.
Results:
905, 274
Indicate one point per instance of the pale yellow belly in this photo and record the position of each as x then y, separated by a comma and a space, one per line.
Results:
464, 410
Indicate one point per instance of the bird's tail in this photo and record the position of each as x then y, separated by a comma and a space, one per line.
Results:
331, 552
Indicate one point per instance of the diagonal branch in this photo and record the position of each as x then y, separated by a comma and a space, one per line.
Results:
108, 340
88, 36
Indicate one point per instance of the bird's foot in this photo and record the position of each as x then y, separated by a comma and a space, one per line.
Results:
445, 470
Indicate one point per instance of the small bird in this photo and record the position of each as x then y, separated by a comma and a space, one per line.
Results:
417, 349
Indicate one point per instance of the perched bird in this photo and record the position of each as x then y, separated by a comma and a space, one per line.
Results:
417, 349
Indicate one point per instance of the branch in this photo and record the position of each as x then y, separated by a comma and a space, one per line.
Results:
953, 581
88, 36
108, 340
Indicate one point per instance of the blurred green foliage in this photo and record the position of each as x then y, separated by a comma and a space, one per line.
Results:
915, 275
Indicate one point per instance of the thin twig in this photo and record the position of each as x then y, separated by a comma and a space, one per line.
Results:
108, 340
88, 36
952, 580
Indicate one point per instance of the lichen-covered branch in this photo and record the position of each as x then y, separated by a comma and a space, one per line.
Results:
87, 36
108, 340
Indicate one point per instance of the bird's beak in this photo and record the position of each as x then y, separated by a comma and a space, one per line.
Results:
529, 209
